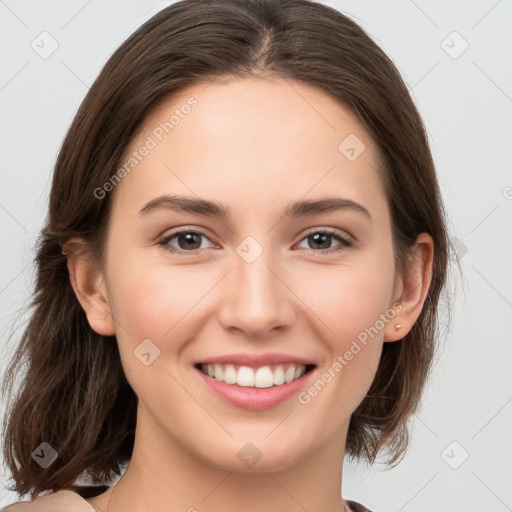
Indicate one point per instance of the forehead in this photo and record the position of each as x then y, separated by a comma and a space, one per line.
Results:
257, 139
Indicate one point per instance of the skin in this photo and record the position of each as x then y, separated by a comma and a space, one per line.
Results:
253, 145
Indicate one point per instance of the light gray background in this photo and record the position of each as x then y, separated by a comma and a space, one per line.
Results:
466, 104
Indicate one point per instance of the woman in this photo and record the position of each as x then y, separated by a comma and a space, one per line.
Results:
299, 325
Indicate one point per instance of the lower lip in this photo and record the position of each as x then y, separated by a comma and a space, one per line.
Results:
255, 399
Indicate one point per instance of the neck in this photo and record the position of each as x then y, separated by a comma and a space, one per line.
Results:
163, 475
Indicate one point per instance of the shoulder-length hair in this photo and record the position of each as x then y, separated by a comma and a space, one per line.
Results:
74, 394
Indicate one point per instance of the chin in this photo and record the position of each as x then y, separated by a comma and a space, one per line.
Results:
257, 455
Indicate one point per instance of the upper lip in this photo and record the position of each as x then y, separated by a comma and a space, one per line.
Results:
256, 360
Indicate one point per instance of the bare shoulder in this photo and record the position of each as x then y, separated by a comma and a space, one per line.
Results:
60, 501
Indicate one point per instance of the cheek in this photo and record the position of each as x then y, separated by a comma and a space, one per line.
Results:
162, 302
346, 298
351, 303
153, 299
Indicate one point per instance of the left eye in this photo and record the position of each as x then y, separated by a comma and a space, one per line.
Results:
324, 238
189, 241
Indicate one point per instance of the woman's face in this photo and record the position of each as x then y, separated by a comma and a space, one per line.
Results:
265, 281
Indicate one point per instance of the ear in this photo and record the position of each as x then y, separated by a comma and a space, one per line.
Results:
412, 289
89, 286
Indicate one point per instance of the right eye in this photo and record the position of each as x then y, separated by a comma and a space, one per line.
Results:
187, 239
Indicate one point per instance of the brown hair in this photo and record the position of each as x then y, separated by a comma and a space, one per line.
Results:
74, 395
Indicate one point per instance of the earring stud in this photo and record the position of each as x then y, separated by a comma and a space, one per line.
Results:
398, 326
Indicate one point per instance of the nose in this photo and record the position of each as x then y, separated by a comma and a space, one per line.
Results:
256, 299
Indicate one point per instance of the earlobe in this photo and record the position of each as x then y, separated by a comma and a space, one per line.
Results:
413, 290
88, 284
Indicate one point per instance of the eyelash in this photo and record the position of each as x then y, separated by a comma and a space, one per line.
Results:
344, 241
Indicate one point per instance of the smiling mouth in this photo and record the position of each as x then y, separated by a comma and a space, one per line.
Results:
261, 377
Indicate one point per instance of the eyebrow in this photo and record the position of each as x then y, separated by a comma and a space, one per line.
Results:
209, 208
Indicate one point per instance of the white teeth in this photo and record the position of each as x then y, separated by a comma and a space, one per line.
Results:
289, 374
263, 377
245, 376
218, 373
279, 375
230, 374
